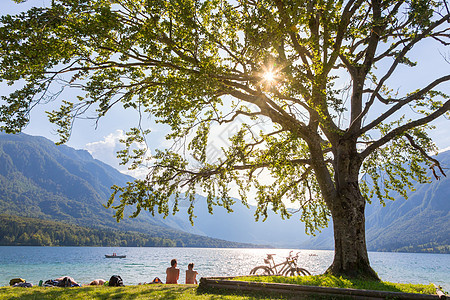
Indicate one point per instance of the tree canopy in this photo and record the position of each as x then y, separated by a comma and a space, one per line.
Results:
306, 81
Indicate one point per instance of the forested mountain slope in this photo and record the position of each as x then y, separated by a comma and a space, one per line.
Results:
23, 231
420, 223
41, 180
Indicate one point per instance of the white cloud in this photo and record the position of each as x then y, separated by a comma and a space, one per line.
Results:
106, 151
444, 149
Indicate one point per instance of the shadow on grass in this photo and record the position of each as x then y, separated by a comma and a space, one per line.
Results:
332, 281
216, 293
342, 282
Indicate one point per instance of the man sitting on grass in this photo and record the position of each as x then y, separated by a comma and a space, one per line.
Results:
172, 273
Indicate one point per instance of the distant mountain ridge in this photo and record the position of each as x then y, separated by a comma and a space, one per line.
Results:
41, 180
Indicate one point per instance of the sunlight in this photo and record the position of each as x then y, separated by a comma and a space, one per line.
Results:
269, 76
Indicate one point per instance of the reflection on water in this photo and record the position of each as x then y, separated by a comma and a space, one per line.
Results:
143, 264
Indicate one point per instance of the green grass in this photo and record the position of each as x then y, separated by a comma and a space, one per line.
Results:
135, 292
190, 292
340, 282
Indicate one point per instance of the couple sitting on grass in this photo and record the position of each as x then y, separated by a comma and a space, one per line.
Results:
173, 273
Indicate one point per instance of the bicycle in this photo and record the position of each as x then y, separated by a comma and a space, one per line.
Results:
287, 268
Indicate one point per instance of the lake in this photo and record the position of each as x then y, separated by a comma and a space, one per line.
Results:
143, 264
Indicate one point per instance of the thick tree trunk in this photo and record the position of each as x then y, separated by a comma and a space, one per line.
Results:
347, 210
350, 254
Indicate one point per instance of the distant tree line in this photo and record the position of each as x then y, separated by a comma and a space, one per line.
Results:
23, 231
20, 231
432, 247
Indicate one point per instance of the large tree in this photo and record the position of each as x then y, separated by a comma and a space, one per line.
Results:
306, 81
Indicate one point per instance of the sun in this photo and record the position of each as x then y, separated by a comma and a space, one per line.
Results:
269, 76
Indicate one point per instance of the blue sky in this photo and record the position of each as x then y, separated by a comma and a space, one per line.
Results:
101, 138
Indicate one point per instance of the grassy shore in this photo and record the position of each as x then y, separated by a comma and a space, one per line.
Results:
188, 292
340, 282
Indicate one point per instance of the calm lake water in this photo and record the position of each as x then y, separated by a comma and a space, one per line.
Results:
143, 264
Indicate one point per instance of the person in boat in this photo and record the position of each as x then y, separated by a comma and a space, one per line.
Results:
191, 274
172, 273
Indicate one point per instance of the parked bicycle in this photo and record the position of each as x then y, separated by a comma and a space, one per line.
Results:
287, 268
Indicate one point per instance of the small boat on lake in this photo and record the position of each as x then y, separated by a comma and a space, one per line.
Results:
114, 255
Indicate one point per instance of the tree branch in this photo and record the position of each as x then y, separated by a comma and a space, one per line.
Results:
400, 130
394, 65
435, 161
206, 173
302, 51
402, 103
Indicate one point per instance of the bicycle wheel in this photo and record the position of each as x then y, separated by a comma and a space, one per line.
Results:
297, 272
261, 270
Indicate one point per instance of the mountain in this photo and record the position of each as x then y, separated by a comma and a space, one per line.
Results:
41, 180
420, 223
